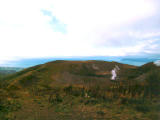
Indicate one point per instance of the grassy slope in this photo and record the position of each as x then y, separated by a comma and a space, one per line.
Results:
76, 90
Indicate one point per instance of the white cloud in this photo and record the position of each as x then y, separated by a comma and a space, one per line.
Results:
26, 32
144, 35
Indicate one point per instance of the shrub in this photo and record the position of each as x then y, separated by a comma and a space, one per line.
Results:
142, 108
75, 91
100, 113
124, 101
68, 89
90, 101
55, 98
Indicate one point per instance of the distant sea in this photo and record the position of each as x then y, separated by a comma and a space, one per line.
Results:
131, 60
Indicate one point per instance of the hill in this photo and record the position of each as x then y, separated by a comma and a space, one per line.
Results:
68, 72
79, 90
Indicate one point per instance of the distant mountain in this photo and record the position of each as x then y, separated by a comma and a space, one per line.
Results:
131, 60
9, 70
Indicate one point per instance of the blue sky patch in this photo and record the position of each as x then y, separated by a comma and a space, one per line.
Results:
55, 23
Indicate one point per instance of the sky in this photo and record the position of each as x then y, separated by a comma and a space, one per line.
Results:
62, 28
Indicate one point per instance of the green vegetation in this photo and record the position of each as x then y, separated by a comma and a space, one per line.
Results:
64, 90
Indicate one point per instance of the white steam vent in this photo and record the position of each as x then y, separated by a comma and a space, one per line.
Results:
114, 72
157, 62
